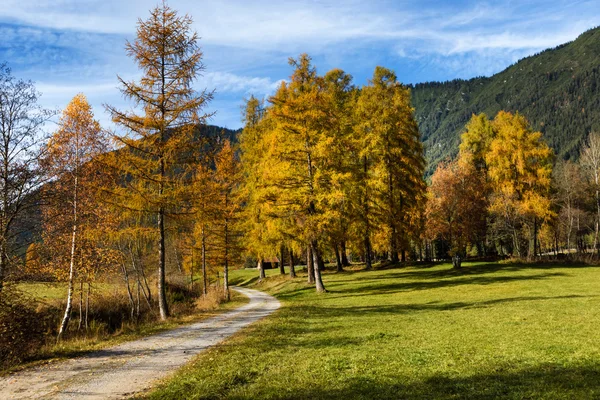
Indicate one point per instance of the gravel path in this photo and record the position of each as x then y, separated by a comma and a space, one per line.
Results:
131, 367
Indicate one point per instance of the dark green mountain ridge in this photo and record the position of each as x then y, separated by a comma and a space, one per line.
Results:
557, 90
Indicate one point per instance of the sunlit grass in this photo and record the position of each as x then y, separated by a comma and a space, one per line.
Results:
491, 331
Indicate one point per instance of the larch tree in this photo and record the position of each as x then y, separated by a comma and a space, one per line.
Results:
157, 151
227, 211
393, 160
21, 137
341, 97
253, 191
520, 168
70, 158
301, 176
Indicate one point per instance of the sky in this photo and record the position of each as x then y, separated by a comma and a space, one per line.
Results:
72, 46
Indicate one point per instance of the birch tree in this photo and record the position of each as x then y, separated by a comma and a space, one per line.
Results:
70, 158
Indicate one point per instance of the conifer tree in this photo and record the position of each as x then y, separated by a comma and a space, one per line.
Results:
302, 177
392, 154
226, 211
520, 169
157, 150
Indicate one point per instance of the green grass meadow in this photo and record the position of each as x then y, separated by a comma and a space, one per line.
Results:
489, 331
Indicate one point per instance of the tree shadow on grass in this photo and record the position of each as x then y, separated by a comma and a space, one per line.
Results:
547, 381
406, 286
331, 312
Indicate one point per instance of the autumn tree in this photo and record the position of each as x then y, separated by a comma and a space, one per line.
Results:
301, 178
21, 136
392, 158
157, 151
519, 168
341, 98
70, 158
456, 206
226, 211
253, 191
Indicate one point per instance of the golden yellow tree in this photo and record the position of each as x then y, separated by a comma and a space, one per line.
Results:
393, 160
158, 148
520, 168
71, 154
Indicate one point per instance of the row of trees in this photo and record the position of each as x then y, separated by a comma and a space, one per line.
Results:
501, 195
328, 166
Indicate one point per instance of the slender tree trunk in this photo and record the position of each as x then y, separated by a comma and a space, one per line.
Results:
596, 238
2, 261
177, 260
367, 244
87, 306
282, 260
226, 267
80, 305
139, 270
403, 255
318, 280
128, 287
192, 271
292, 269
67, 314
138, 301
345, 261
320, 262
161, 284
310, 264
261, 269
338, 259
204, 277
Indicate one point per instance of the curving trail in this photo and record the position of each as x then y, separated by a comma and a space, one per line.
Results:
132, 367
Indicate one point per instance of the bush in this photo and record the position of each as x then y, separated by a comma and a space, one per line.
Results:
22, 328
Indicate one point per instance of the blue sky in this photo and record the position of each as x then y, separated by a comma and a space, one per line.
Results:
72, 46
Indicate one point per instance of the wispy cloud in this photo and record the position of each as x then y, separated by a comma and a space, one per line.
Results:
77, 45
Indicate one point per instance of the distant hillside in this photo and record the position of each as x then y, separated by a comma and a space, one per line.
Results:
558, 90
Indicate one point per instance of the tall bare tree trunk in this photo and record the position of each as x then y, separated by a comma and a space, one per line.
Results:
67, 314
80, 305
87, 306
163, 307
282, 260
345, 261
316, 256
310, 264
338, 260
204, 277
261, 269
292, 269
367, 244
226, 267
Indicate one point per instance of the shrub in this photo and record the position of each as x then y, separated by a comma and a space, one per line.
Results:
22, 328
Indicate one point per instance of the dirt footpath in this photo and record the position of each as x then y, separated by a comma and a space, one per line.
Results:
131, 367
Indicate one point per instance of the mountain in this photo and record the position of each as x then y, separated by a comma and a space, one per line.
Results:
557, 90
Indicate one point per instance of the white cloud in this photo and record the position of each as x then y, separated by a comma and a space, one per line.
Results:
226, 82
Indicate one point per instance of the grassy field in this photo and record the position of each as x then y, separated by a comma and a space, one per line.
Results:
493, 330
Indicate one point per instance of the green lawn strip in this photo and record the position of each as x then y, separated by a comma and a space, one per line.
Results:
510, 331
75, 347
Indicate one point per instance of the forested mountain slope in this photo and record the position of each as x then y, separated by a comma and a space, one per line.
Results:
558, 91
